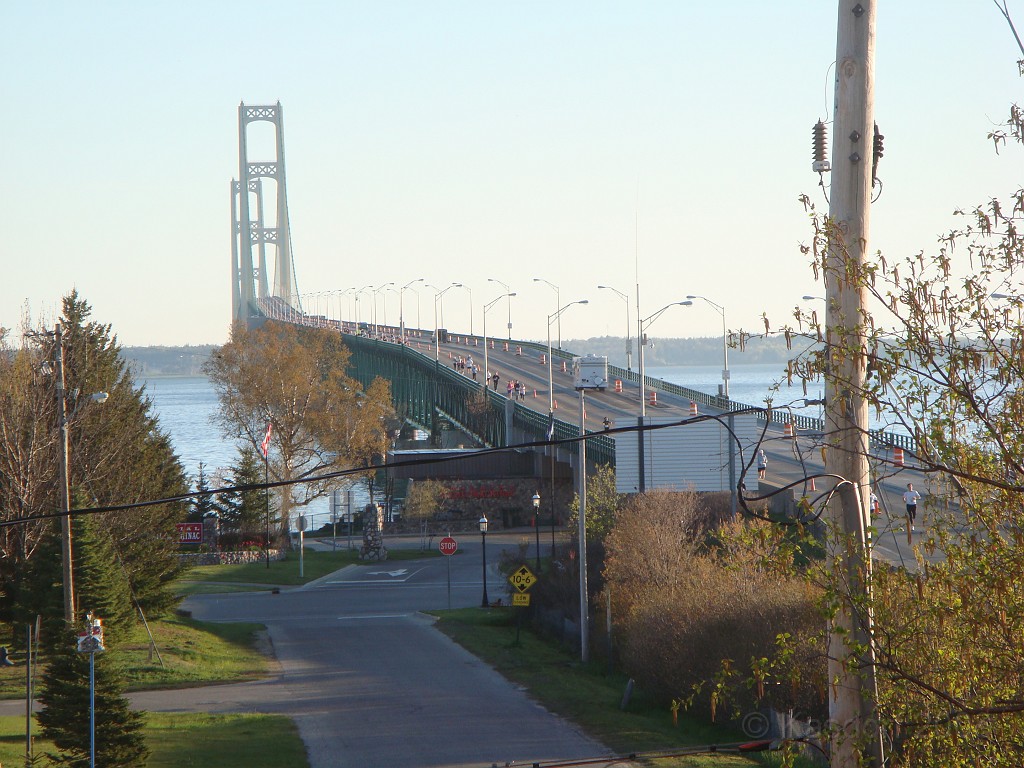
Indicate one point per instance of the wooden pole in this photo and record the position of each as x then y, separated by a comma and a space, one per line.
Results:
856, 738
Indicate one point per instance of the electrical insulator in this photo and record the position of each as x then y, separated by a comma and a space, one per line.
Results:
876, 152
820, 164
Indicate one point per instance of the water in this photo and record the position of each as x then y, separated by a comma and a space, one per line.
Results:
748, 384
185, 406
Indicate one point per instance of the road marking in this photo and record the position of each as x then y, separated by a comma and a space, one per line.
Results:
395, 574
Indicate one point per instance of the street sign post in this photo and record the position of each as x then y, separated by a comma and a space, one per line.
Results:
448, 547
522, 579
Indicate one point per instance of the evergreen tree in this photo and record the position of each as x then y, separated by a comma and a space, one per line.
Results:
202, 506
120, 455
39, 590
101, 585
64, 716
244, 511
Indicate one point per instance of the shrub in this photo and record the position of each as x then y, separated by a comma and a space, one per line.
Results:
692, 618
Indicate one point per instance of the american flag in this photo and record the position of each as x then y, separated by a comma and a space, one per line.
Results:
265, 445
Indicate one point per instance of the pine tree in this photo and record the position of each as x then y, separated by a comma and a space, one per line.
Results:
101, 585
204, 505
64, 716
120, 455
244, 511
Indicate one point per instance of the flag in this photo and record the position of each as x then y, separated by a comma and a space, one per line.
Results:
551, 425
265, 445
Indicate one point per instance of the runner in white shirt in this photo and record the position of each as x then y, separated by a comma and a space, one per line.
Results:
910, 498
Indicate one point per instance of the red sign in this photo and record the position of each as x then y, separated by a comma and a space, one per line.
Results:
448, 546
190, 533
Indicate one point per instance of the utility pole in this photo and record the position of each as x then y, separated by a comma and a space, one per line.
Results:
856, 738
65, 479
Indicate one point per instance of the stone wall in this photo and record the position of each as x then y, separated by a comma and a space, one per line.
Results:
229, 558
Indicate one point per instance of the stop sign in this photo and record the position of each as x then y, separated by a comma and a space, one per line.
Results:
448, 545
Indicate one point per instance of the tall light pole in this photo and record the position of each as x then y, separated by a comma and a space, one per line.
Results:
733, 499
487, 306
642, 325
725, 344
629, 344
536, 524
438, 299
66, 554
484, 602
401, 305
558, 303
507, 289
356, 294
385, 305
470, 308
376, 328
551, 380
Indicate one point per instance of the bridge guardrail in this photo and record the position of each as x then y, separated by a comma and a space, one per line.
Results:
879, 439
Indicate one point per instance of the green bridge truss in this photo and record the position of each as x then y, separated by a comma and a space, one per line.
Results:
427, 393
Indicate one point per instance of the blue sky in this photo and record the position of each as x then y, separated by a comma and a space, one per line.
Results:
584, 143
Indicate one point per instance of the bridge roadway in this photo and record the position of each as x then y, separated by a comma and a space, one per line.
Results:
789, 459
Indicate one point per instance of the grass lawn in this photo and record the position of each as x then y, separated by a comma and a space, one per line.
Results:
587, 694
195, 740
194, 653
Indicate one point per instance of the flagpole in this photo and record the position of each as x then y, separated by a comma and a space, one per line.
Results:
266, 489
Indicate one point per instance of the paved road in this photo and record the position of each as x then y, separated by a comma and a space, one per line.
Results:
370, 681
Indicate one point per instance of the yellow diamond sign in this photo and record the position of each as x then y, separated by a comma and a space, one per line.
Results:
522, 578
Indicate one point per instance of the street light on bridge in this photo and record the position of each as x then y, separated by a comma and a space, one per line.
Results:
558, 303
551, 379
376, 328
725, 344
439, 299
356, 294
507, 289
487, 370
401, 305
643, 325
629, 345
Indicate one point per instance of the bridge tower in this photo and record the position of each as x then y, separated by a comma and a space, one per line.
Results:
250, 282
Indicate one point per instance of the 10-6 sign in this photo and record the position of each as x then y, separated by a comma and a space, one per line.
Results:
448, 546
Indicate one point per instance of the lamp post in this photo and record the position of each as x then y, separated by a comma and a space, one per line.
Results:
385, 304
358, 291
91, 642
484, 603
558, 303
507, 289
551, 381
487, 306
629, 345
67, 558
733, 500
439, 299
536, 524
401, 306
725, 344
470, 308
376, 328
642, 325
